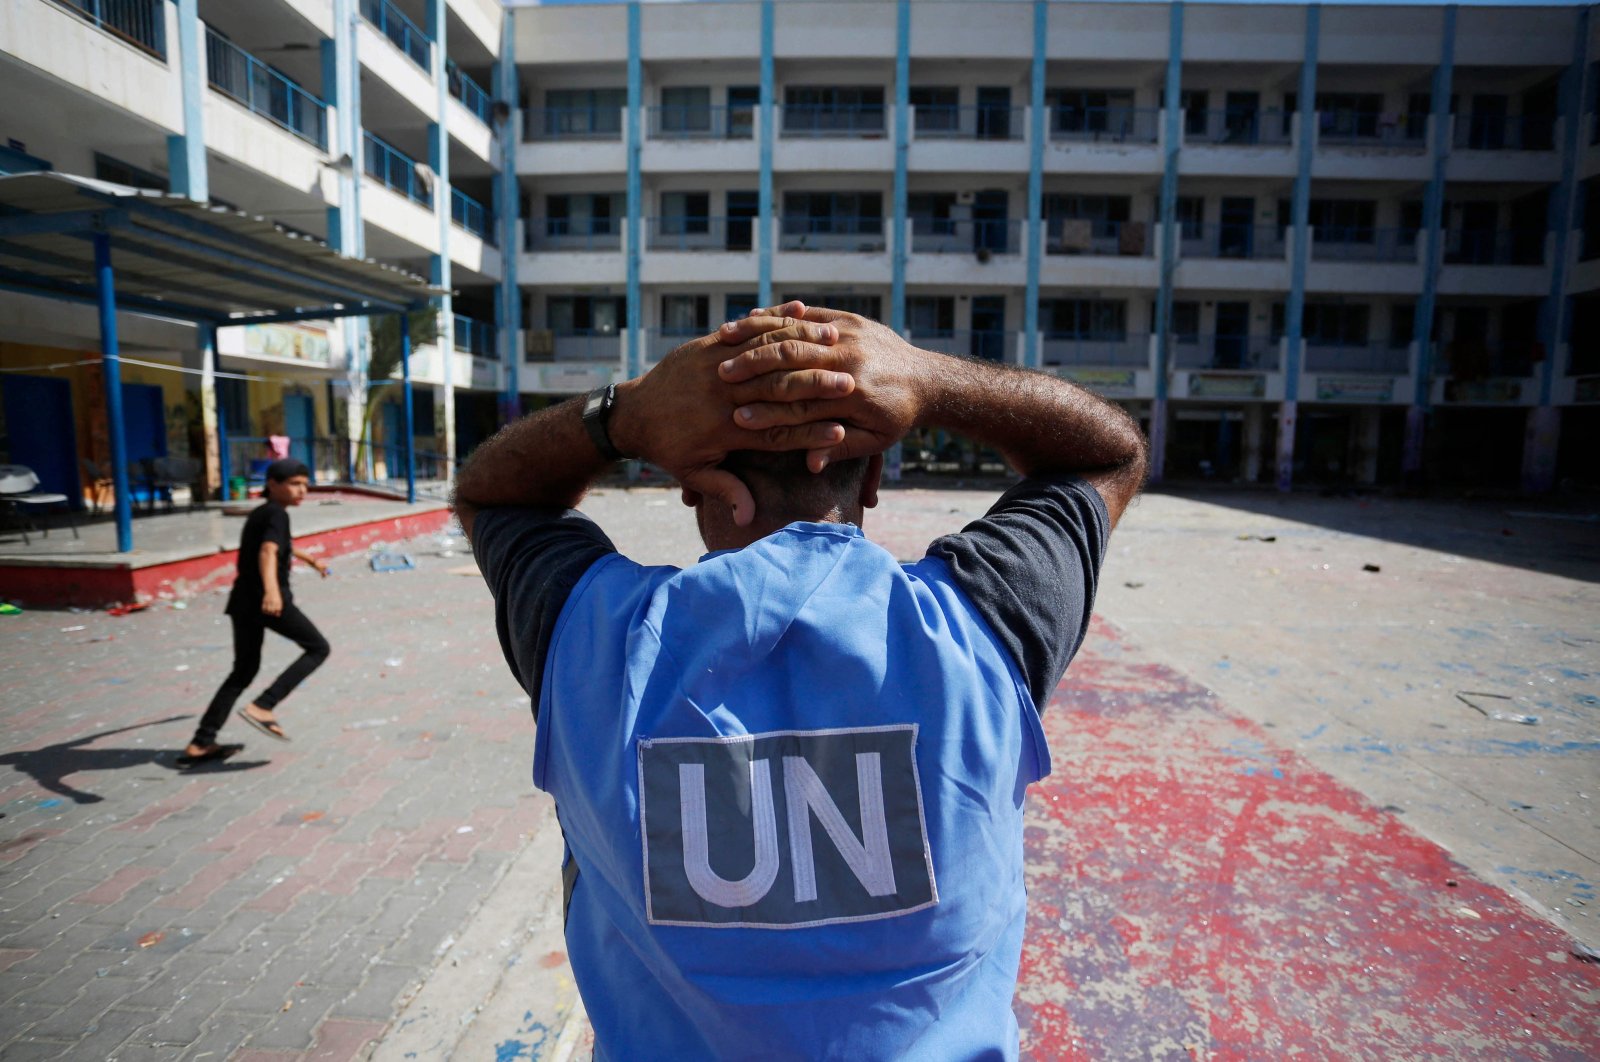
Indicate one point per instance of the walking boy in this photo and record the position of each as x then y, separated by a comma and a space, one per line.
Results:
261, 601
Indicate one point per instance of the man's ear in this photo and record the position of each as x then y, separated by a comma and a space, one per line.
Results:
691, 498
871, 481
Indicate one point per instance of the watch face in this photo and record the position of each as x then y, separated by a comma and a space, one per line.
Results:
592, 404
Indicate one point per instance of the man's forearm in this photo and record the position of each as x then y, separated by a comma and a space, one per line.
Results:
544, 459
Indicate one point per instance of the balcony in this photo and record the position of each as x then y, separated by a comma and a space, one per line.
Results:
1242, 241
573, 123
472, 216
587, 344
935, 122
142, 23
694, 122
832, 234
680, 232
396, 171
985, 344
574, 234
1524, 247
401, 31
1360, 244
1374, 357
1105, 125
1109, 350
1224, 352
1500, 132
1238, 127
659, 342
1474, 359
1087, 236
825, 120
965, 236
481, 339
1402, 132
468, 93
262, 90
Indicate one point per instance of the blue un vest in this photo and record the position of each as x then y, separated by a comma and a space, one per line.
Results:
792, 779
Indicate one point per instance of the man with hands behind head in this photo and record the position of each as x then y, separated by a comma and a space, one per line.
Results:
791, 777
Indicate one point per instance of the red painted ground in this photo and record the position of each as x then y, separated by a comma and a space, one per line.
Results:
1208, 894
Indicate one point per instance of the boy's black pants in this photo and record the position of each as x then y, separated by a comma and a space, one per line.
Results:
249, 628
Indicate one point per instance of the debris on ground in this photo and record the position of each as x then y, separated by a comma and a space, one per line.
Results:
1583, 953
123, 610
1132, 585
368, 724
1494, 713
1371, 568
1258, 538
151, 939
392, 562
69, 630
8, 609
465, 569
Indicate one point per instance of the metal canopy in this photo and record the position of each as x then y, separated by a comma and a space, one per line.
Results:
181, 259
146, 252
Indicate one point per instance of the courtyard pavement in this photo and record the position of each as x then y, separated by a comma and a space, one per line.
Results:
1273, 828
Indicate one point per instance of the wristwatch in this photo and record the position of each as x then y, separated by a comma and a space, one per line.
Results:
597, 407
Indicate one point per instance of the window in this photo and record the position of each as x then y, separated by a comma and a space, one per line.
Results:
686, 110
1107, 212
864, 305
1186, 320
1191, 217
1349, 114
1277, 328
1335, 324
1343, 220
577, 315
833, 108
1083, 319
1410, 220
1419, 105
936, 109
739, 304
742, 103
1402, 325
685, 315
685, 213
584, 215
931, 316
116, 171
930, 213
833, 212
585, 112
233, 404
1089, 110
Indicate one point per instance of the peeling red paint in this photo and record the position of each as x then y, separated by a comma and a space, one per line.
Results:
1198, 892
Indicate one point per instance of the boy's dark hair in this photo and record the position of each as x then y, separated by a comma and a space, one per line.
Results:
783, 486
285, 469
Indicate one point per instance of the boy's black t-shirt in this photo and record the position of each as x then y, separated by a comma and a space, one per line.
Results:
268, 523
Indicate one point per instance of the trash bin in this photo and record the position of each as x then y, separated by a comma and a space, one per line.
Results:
237, 490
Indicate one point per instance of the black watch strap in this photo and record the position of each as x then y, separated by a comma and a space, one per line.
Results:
597, 406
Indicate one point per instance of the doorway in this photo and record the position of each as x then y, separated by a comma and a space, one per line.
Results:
1233, 335
41, 433
1237, 231
994, 112
299, 424
989, 327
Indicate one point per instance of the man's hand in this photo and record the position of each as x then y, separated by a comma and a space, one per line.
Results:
272, 603
322, 567
889, 397
680, 414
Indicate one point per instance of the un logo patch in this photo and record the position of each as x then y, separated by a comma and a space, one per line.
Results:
784, 830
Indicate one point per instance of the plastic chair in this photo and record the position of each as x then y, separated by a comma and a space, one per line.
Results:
169, 472
17, 492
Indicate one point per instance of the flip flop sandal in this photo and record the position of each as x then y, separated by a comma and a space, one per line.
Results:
271, 729
215, 754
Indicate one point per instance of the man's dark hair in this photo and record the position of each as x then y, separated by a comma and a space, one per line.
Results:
285, 469
784, 487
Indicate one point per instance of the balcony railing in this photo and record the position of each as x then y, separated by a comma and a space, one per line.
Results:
987, 344
1113, 125
396, 170
1474, 359
472, 216
573, 123
1244, 240
682, 232
1501, 132
401, 31
982, 122
1386, 130
701, 122
659, 342
478, 338
828, 120
966, 236
235, 72
1128, 239
1239, 126
468, 92
574, 234
1362, 244
1494, 247
586, 344
1115, 350
1376, 357
142, 23
838, 234
1224, 352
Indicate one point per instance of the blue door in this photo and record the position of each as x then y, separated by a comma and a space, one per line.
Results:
41, 434
299, 424
394, 435
144, 427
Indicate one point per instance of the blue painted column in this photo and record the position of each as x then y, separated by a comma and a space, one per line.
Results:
507, 194
769, 118
439, 268
186, 151
341, 89
1432, 221
111, 371
1544, 420
405, 391
902, 148
1172, 147
1294, 317
635, 189
1036, 135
